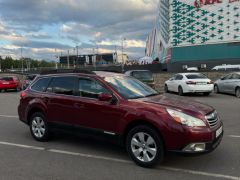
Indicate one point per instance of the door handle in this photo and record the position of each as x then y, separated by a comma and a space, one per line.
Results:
78, 105
46, 99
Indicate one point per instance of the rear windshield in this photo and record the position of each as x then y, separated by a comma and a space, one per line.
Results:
196, 76
6, 78
146, 75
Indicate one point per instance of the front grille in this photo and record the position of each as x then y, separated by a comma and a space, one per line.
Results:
212, 118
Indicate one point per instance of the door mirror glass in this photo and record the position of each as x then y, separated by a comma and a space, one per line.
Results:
105, 97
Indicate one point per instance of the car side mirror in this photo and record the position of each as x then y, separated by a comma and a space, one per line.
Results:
105, 97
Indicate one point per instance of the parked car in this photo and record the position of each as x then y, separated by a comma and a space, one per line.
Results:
122, 108
28, 80
227, 67
189, 83
10, 82
145, 76
230, 84
192, 69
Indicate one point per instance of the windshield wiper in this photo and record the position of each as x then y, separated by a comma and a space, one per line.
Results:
154, 94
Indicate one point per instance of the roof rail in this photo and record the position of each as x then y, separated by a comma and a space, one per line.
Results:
61, 71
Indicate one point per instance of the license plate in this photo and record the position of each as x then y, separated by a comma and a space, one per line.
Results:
201, 83
219, 132
5, 82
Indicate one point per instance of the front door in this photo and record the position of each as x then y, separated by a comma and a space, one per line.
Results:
91, 112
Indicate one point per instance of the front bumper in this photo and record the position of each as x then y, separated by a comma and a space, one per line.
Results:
197, 142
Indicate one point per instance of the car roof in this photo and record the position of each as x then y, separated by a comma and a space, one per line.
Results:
101, 74
139, 70
185, 74
107, 74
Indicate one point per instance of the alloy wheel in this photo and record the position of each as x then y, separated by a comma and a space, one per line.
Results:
144, 147
38, 127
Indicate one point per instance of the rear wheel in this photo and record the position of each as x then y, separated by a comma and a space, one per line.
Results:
237, 92
39, 127
166, 89
216, 89
180, 91
144, 146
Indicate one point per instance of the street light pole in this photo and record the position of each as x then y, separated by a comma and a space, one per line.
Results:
22, 59
77, 56
68, 65
122, 54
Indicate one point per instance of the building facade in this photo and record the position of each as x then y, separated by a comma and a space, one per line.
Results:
201, 33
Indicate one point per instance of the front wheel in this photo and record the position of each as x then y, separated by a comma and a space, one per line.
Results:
39, 127
180, 91
237, 92
216, 89
144, 146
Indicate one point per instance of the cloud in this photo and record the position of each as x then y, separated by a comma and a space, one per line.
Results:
63, 24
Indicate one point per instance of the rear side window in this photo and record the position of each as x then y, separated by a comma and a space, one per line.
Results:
196, 76
179, 77
63, 85
235, 76
41, 84
90, 88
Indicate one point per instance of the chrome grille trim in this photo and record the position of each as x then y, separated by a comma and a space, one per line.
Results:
212, 118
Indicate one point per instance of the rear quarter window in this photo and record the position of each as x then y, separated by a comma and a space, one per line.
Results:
41, 84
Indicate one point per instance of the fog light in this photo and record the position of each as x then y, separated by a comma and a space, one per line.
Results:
195, 147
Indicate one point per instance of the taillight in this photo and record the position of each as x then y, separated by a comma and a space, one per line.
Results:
23, 94
191, 83
210, 82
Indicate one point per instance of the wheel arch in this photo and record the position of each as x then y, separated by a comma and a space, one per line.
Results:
140, 122
32, 111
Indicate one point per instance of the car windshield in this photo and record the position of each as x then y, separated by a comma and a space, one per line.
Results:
146, 75
130, 88
196, 76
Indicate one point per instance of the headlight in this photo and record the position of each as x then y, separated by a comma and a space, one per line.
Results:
186, 119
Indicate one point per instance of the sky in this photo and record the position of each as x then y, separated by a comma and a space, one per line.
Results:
44, 29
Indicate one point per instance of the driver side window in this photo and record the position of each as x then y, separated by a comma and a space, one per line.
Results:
90, 88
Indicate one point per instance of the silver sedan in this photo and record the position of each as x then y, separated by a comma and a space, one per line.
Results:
230, 84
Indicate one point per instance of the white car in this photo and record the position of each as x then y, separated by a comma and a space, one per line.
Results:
189, 83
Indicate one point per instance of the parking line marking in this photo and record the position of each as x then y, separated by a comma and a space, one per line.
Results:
119, 160
89, 156
200, 173
22, 146
234, 136
8, 116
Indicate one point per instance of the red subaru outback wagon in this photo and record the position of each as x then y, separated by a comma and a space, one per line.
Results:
120, 106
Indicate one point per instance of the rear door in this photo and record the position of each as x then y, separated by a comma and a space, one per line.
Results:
225, 82
232, 83
61, 100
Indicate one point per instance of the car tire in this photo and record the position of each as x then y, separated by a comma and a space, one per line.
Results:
144, 146
38, 127
180, 91
216, 89
237, 92
206, 93
166, 89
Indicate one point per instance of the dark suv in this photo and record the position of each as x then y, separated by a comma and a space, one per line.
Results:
120, 106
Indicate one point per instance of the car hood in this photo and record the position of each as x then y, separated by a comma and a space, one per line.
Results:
179, 103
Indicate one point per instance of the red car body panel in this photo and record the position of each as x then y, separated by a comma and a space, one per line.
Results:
115, 118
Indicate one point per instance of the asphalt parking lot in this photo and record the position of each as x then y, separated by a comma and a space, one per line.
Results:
72, 157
